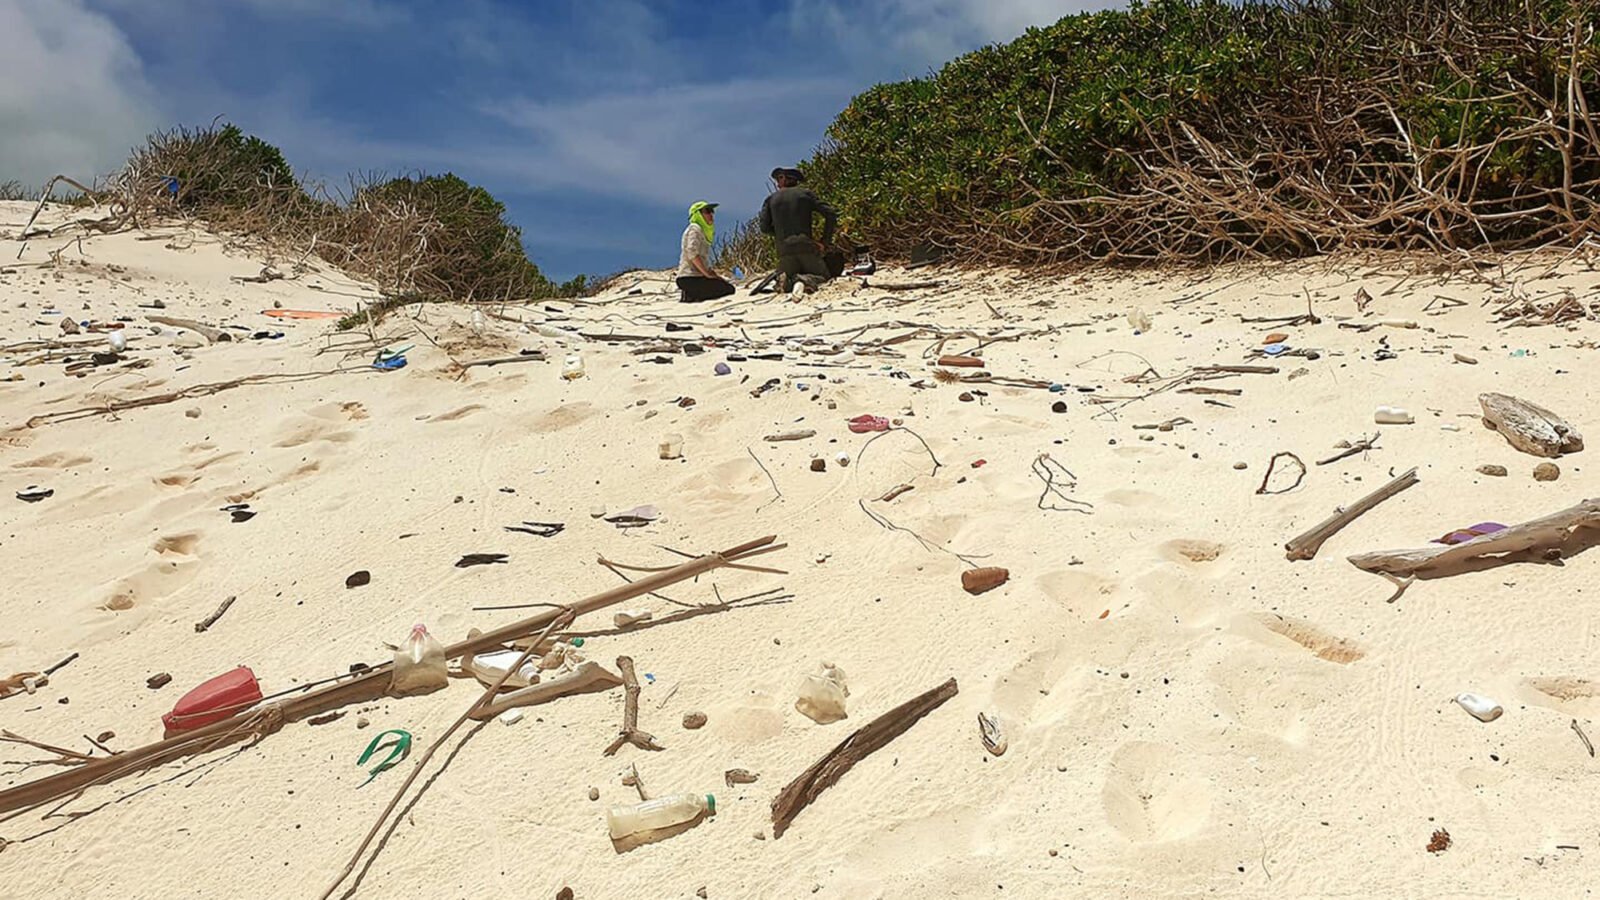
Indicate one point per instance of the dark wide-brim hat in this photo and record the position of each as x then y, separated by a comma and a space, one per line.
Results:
796, 174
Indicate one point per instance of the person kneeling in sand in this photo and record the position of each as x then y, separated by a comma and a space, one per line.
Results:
698, 281
787, 215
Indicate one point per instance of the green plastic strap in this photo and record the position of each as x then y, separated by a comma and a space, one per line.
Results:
399, 751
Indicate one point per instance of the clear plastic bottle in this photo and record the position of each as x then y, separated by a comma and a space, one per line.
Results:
662, 812
1139, 319
573, 369
419, 664
822, 695
478, 321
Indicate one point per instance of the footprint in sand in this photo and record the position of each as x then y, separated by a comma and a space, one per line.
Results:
1149, 798
1565, 693
1192, 550
308, 432
178, 544
55, 461
354, 411
1322, 644
455, 414
155, 582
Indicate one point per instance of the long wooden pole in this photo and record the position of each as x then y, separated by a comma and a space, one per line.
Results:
362, 688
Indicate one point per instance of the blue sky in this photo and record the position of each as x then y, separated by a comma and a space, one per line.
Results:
596, 121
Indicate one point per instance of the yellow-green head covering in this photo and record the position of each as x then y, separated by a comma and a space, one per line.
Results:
697, 216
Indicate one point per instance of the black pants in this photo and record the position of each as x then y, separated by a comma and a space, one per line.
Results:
698, 288
798, 256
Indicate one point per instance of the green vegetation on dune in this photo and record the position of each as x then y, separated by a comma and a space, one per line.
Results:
1198, 130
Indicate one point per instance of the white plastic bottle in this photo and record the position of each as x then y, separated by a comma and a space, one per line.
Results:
662, 812
1392, 415
419, 664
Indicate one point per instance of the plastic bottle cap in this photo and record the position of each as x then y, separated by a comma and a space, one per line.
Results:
711, 804
577, 642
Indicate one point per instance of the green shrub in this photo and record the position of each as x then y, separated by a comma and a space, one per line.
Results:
1198, 129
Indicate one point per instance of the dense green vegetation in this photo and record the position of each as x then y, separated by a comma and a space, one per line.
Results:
1203, 130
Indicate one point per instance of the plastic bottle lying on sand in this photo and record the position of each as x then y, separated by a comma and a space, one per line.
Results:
117, 341
573, 369
1482, 708
550, 331
419, 664
1392, 415
662, 812
1139, 319
822, 695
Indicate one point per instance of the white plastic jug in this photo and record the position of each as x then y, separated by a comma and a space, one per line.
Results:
419, 664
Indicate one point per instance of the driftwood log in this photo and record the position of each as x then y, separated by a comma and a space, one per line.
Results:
365, 687
1547, 533
1306, 545
866, 740
1529, 427
211, 333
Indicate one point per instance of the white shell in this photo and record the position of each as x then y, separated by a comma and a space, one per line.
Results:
1482, 708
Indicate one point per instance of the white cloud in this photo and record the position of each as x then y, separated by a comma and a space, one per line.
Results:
667, 146
75, 98
913, 35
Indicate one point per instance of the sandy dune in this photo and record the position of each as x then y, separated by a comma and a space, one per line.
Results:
1188, 712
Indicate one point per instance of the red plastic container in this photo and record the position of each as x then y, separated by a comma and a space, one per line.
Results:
213, 701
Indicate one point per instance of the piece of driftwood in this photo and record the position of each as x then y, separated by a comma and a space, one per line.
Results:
1547, 533
588, 676
800, 435
1529, 427
366, 686
1229, 392
211, 620
210, 333
502, 360
866, 740
1236, 370
1360, 446
630, 733
1305, 546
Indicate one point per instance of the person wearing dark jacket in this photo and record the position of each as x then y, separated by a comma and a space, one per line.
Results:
787, 215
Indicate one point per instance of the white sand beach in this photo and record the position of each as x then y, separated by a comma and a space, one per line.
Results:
1188, 712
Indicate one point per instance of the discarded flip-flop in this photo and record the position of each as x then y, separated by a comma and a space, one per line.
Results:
867, 423
992, 733
1462, 535
33, 493
398, 751
239, 512
482, 559
539, 529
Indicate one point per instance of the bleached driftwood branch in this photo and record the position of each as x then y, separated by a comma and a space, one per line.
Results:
1547, 533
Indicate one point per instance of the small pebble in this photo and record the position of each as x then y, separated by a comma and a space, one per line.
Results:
192, 412
1496, 471
1546, 472
760, 835
156, 682
362, 722
694, 720
1060, 406
819, 465
1241, 465
594, 793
